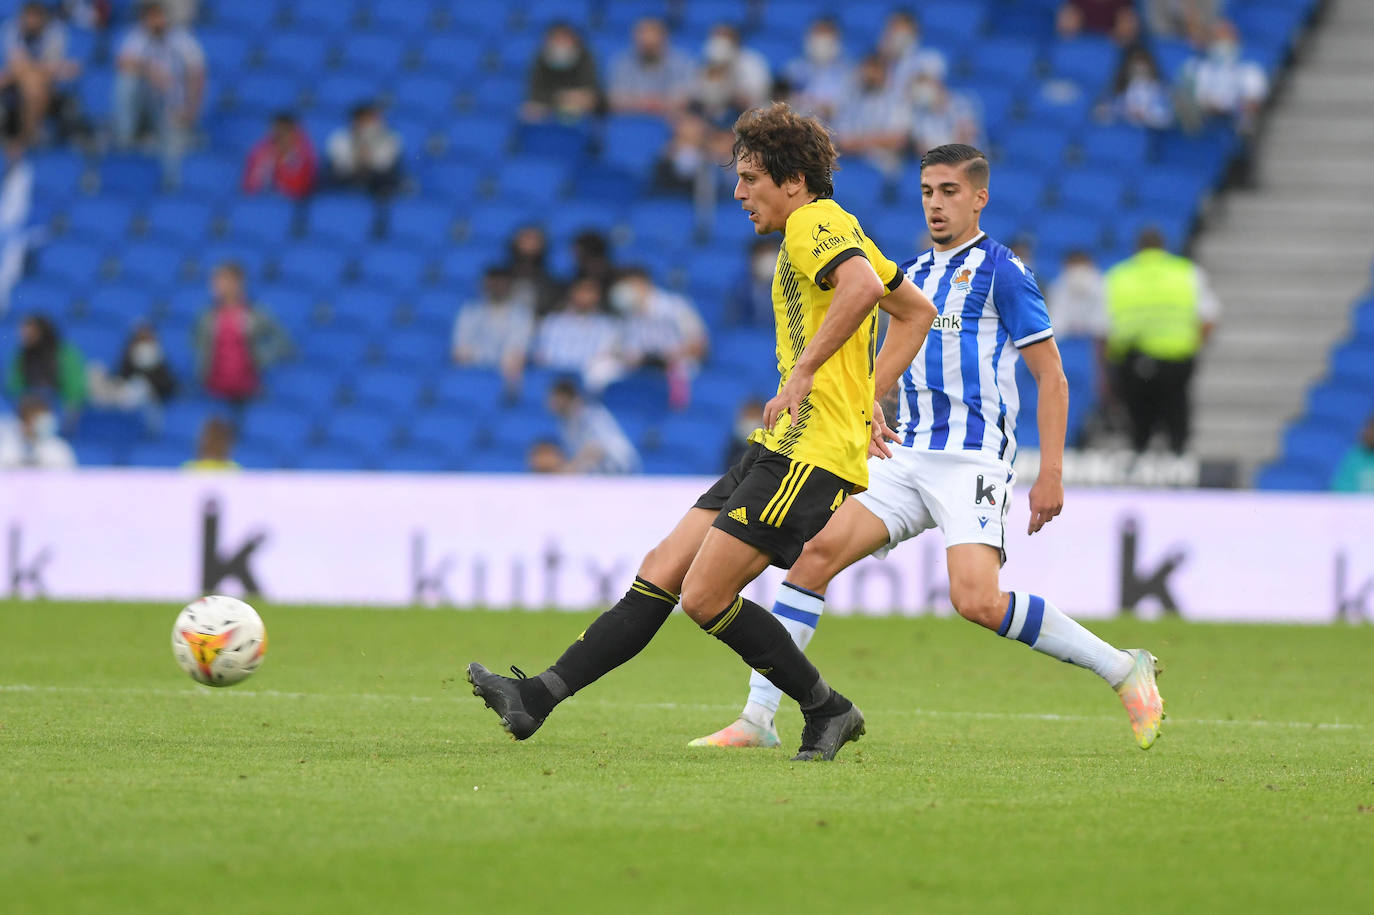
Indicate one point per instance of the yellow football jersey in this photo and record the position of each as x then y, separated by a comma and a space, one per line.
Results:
833, 421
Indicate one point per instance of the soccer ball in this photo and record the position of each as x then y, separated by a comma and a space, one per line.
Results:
219, 640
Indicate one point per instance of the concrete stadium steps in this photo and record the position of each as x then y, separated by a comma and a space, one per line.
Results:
1288, 258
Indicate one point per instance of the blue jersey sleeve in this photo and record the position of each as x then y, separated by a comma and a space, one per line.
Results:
1020, 304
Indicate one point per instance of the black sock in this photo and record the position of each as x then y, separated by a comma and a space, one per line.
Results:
612, 639
767, 647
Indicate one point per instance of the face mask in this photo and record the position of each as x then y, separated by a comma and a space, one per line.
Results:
924, 95
1225, 51
44, 426
764, 267
623, 298
1140, 73
822, 48
560, 56
895, 44
145, 355
719, 50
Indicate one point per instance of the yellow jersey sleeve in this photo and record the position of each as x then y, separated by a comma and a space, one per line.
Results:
821, 235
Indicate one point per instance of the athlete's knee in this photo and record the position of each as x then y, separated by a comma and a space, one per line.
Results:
664, 567
703, 601
978, 603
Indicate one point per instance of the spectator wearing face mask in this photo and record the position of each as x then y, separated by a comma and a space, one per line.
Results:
142, 380
579, 337
874, 122
1223, 84
590, 435
33, 440
903, 55
365, 154
1139, 95
46, 366
821, 77
495, 330
563, 81
940, 116
652, 77
731, 79
685, 162
748, 417
751, 301
660, 330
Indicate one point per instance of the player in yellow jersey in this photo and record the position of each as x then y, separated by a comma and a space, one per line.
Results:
810, 453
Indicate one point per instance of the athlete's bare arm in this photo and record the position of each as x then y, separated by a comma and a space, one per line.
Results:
1052, 417
911, 314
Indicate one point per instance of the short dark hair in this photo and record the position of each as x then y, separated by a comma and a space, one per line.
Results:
787, 145
971, 157
1150, 237
567, 387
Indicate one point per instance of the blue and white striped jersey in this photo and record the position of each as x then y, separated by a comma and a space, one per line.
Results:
960, 392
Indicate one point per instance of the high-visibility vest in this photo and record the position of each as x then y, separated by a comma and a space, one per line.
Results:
1152, 300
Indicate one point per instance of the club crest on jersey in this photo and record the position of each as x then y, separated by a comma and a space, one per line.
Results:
963, 279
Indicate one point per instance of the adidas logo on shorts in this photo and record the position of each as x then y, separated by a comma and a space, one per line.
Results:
739, 515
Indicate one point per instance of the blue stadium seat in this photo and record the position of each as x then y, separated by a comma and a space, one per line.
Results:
498, 221
552, 140
252, 257
344, 348
476, 390
1088, 60
394, 266
480, 137
309, 386
421, 222
157, 454
531, 179
367, 429
292, 305
345, 218
103, 219
661, 222
226, 49
457, 181
1354, 363
210, 177
424, 94
75, 262
401, 390
413, 19
301, 51
120, 302
266, 219
453, 54
1018, 189
100, 453
339, 92
1342, 405
363, 308
1003, 60
1035, 147
1065, 229
286, 427
494, 94
57, 174
376, 54
243, 17
492, 460
1118, 146
183, 217
1091, 189
130, 175
1316, 446
857, 182
39, 293
265, 92
633, 142
418, 350
1292, 476
539, 14
315, 264
337, 456
326, 16
699, 15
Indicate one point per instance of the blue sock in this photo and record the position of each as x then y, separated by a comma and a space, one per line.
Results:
1044, 627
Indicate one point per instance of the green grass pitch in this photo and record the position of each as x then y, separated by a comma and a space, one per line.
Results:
356, 773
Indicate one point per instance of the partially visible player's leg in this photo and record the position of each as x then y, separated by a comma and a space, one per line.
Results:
710, 596
613, 638
1035, 621
852, 533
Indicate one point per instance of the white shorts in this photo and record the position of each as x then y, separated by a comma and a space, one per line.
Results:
963, 493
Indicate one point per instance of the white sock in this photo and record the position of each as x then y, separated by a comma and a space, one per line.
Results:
1044, 627
799, 611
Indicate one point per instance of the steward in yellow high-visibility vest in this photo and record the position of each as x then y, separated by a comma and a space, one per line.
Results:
1160, 311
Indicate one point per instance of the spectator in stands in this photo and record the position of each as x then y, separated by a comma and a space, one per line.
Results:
546, 456
1160, 313
16, 206
34, 441
142, 380
563, 82
684, 165
36, 62
47, 367
160, 82
1077, 299
820, 79
1190, 20
751, 300
940, 116
495, 331
214, 448
1355, 473
904, 57
874, 122
592, 258
1139, 94
1114, 18
661, 329
590, 434
529, 251
731, 79
1222, 84
283, 161
580, 337
748, 417
364, 154
235, 339
652, 77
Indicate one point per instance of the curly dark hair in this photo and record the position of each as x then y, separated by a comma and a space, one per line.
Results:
787, 145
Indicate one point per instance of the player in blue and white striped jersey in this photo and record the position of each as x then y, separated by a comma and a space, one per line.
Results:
952, 468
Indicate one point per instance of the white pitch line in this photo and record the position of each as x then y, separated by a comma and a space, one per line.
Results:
670, 706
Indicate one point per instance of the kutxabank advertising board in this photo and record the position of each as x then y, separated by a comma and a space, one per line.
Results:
574, 543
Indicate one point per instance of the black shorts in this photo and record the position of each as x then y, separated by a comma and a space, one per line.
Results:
774, 503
